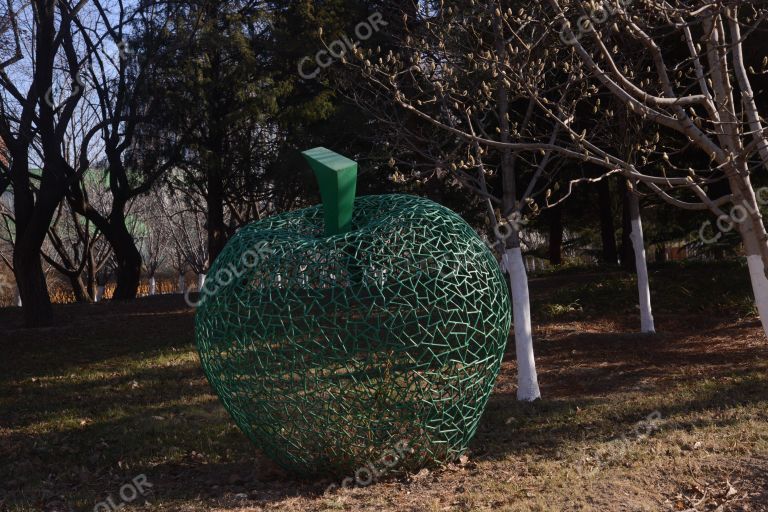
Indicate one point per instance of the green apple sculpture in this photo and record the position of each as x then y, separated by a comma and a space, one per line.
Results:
338, 334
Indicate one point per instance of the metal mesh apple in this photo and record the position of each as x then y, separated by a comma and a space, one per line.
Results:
331, 349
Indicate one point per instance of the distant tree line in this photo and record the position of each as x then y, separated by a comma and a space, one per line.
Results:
138, 137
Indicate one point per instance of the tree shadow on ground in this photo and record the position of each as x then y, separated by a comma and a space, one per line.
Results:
171, 428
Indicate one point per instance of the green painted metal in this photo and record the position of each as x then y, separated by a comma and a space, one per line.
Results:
337, 177
329, 351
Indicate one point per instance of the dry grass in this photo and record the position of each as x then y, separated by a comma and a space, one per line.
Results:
61, 291
115, 391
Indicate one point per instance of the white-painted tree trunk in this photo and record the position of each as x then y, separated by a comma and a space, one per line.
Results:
527, 379
643, 287
753, 236
200, 282
759, 287
152, 286
18, 298
182, 284
99, 293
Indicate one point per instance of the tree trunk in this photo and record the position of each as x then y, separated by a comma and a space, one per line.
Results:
90, 275
643, 286
32, 219
33, 290
217, 237
127, 256
216, 172
607, 230
527, 378
528, 387
628, 262
556, 234
182, 283
78, 288
128, 259
755, 239
759, 286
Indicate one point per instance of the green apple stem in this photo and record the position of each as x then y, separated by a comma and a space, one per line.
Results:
337, 177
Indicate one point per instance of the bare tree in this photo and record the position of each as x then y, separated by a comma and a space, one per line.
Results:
684, 71
455, 108
186, 224
116, 76
33, 125
78, 252
155, 236
10, 42
695, 97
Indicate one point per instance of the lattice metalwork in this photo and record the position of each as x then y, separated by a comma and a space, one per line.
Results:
333, 349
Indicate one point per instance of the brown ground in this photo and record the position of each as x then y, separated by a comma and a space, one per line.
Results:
115, 391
